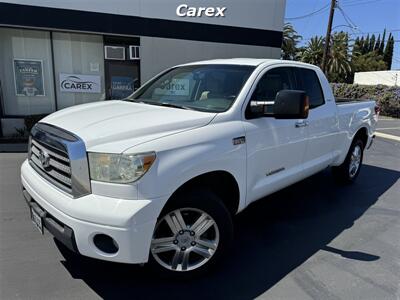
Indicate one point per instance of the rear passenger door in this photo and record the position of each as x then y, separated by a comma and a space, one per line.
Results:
321, 123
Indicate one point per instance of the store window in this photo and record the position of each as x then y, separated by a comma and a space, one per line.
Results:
79, 68
26, 72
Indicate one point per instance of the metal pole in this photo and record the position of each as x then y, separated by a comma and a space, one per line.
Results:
328, 36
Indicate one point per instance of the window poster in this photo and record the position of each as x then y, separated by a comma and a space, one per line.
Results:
176, 87
121, 86
79, 83
28, 76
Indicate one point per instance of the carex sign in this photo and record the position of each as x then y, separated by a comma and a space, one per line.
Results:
185, 10
77, 83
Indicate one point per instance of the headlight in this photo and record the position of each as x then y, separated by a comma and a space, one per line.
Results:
119, 168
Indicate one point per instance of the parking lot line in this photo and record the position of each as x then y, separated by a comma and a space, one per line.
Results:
388, 128
388, 136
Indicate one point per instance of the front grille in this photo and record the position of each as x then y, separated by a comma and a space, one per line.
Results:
60, 158
59, 170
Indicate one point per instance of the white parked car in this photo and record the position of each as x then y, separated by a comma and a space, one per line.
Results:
158, 176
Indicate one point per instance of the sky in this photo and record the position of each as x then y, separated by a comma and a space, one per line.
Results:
369, 16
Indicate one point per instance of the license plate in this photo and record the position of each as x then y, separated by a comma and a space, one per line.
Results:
36, 220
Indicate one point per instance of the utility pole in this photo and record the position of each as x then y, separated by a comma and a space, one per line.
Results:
328, 36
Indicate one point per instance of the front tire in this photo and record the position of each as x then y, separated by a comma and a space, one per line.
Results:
192, 232
348, 171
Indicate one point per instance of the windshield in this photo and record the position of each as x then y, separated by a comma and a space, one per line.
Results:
211, 88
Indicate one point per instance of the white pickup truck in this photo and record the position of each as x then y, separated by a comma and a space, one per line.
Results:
157, 177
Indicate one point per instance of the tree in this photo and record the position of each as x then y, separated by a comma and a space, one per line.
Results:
339, 59
365, 48
377, 44
371, 43
339, 62
368, 62
313, 51
388, 53
357, 46
290, 41
382, 46
362, 42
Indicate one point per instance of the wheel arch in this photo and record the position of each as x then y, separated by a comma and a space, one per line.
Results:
362, 133
221, 182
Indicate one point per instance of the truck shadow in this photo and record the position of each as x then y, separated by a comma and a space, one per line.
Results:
273, 237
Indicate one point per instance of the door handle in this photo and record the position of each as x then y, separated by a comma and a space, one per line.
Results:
299, 124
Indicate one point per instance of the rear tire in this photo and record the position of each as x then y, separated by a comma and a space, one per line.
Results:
191, 234
348, 171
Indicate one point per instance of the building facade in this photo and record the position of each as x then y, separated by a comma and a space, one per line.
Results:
55, 54
389, 78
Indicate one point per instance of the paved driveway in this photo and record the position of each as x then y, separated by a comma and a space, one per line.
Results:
389, 126
314, 240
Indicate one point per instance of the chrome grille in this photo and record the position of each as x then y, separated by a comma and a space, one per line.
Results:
55, 154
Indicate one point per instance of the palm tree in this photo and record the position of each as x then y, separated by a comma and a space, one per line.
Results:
339, 61
290, 41
313, 52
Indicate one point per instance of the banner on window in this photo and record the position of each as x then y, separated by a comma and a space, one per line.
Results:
77, 83
28, 76
176, 87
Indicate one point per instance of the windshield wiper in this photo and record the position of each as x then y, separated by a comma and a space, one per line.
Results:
167, 104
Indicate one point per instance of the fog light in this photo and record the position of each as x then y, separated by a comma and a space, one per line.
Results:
105, 243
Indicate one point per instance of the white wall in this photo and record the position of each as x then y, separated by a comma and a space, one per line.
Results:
389, 78
157, 54
261, 14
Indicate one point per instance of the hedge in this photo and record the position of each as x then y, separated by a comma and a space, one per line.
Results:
387, 97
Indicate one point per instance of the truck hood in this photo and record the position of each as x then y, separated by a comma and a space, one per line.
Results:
114, 126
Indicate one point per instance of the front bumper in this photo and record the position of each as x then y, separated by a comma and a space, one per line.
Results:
130, 223
60, 231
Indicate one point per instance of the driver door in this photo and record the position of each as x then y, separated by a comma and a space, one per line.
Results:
275, 148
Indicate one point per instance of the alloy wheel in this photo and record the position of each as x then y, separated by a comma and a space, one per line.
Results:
355, 161
185, 239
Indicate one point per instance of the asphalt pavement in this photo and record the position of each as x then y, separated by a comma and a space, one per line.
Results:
313, 240
389, 126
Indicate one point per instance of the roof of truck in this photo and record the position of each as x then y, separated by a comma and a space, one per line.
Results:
243, 61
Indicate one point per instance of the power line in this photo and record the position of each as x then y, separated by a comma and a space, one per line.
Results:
361, 3
348, 20
360, 33
322, 9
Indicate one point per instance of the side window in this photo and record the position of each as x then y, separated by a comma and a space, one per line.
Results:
271, 83
311, 85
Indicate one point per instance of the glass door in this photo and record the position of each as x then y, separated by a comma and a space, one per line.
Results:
122, 78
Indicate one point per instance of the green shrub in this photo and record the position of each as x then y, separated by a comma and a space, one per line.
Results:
388, 98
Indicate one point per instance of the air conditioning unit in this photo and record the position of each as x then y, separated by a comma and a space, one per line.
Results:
114, 52
134, 52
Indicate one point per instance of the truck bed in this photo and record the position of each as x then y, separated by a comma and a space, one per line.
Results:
352, 113
341, 101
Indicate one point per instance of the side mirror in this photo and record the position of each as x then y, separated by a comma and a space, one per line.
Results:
291, 104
